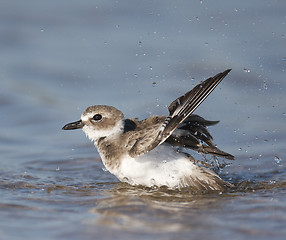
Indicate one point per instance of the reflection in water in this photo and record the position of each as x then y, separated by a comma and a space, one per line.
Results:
138, 209
156, 210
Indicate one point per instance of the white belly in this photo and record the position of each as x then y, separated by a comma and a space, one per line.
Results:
162, 166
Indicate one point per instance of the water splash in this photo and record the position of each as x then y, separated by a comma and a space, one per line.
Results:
277, 160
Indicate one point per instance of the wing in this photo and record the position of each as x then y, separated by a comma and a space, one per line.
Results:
139, 141
182, 107
179, 110
193, 134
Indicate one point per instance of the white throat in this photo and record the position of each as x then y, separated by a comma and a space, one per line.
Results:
94, 134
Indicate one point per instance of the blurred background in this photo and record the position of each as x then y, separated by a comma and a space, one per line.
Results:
59, 57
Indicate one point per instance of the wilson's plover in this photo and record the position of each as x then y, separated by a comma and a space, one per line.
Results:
149, 152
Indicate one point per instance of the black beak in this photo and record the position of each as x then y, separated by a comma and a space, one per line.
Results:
73, 125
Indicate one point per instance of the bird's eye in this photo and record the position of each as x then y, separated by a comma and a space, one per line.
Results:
97, 117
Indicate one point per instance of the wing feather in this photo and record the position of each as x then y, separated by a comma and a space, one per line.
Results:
179, 110
182, 107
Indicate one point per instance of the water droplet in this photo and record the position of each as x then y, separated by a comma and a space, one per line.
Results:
284, 59
104, 170
164, 161
42, 30
58, 168
151, 68
154, 84
240, 149
265, 140
206, 43
125, 179
246, 70
284, 114
153, 182
277, 160
265, 85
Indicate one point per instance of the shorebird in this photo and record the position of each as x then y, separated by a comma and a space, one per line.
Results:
150, 152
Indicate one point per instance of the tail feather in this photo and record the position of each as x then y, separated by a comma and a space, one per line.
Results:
193, 134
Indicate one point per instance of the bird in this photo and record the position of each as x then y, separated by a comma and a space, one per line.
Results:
152, 152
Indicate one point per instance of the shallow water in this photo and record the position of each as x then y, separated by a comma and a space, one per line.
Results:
58, 58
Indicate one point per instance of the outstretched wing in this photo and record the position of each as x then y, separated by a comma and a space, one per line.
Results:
182, 107
179, 110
